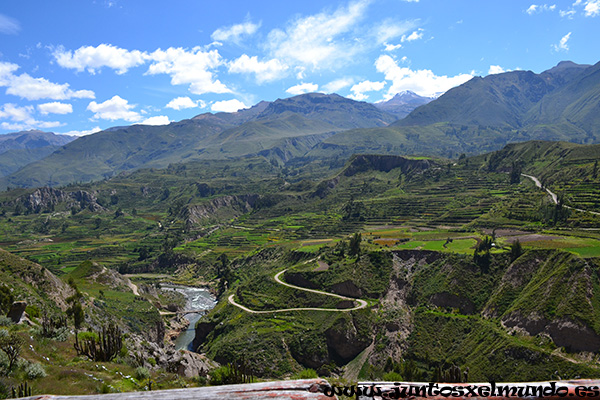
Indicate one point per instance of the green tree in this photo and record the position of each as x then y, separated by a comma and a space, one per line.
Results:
11, 344
6, 299
75, 309
144, 253
481, 255
515, 173
515, 250
224, 274
353, 210
77, 313
355, 241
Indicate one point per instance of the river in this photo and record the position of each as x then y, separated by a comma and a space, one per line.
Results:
197, 299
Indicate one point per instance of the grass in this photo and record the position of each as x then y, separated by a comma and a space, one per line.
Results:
446, 209
584, 247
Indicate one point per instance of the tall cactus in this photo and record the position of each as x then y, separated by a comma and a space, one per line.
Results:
108, 345
21, 391
451, 375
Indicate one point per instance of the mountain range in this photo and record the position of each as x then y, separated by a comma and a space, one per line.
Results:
403, 103
483, 114
21, 148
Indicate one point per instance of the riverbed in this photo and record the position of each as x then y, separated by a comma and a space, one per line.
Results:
196, 299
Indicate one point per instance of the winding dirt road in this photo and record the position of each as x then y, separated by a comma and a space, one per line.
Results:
554, 196
362, 303
277, 277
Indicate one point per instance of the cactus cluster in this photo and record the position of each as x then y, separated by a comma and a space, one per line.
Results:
23, 390
103, 346
453, 374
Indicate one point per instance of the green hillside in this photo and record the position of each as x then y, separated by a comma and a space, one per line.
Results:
15, 159
576, 104
282, 129
484, 114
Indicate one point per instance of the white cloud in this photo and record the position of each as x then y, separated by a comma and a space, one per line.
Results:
569, 14
562, 45
358, 96
22, 119
368, 86
592, 8
113, 109
228, 106
157, 120
93, 59
316, 40
27, 87
300, 72
82, 133
235, 32
391, 29
8, 25
534, 8
303, 88
423, 82
31, 88
35, 125
55, 108
16, 113
391, 47
495, 69
6, 72
338, 84
265, 71
192, 68
416, 35
358, 90
180, 103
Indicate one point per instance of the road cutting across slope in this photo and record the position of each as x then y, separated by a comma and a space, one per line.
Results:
277, 277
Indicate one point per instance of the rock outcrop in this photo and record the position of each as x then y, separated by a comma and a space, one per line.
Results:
16, 311
231, 205
571, 335
46, 198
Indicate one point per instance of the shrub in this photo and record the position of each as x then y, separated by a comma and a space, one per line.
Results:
392, 377
5, 321
32, 311
142, 373
308, 373
35, 371
232, 373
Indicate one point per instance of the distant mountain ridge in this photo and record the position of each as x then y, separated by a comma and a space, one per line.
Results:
481, 115
33, 139
496, 100
403, 103
282, 129
21, 148
484, 114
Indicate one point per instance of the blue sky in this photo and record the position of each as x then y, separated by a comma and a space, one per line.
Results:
79, 66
